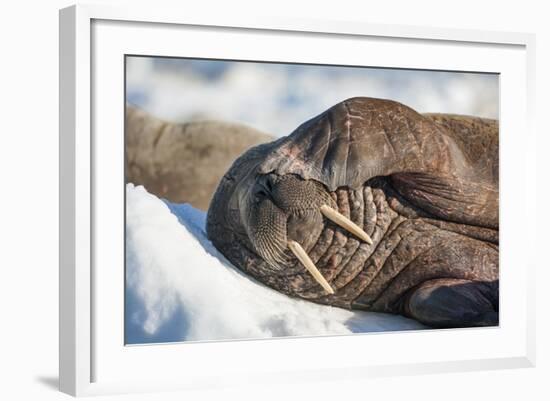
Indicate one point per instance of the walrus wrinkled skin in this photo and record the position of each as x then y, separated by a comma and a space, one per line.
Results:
422, 191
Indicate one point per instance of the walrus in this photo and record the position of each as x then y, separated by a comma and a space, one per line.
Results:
371, 206
183, 162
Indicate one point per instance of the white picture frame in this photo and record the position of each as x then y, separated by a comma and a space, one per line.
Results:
93, 358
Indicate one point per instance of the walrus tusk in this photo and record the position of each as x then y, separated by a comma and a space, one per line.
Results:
345, 223
303, 257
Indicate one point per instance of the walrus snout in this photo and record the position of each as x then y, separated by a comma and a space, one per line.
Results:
277, 210
285, 218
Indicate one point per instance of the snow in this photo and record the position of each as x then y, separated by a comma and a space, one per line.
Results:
180, 288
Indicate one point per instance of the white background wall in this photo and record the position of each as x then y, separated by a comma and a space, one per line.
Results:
29, 215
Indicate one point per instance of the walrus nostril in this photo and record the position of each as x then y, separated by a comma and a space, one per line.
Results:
269, 183
259, 195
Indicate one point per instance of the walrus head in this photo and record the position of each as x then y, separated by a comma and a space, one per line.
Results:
273, 204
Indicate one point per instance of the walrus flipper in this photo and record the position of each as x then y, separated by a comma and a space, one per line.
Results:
454, 303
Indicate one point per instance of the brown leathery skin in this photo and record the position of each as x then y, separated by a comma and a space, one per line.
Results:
424, 188
476, 137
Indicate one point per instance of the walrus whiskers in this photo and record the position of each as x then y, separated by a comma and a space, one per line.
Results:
345, 223
303, 257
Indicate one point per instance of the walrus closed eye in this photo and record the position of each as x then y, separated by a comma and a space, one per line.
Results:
371, 206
